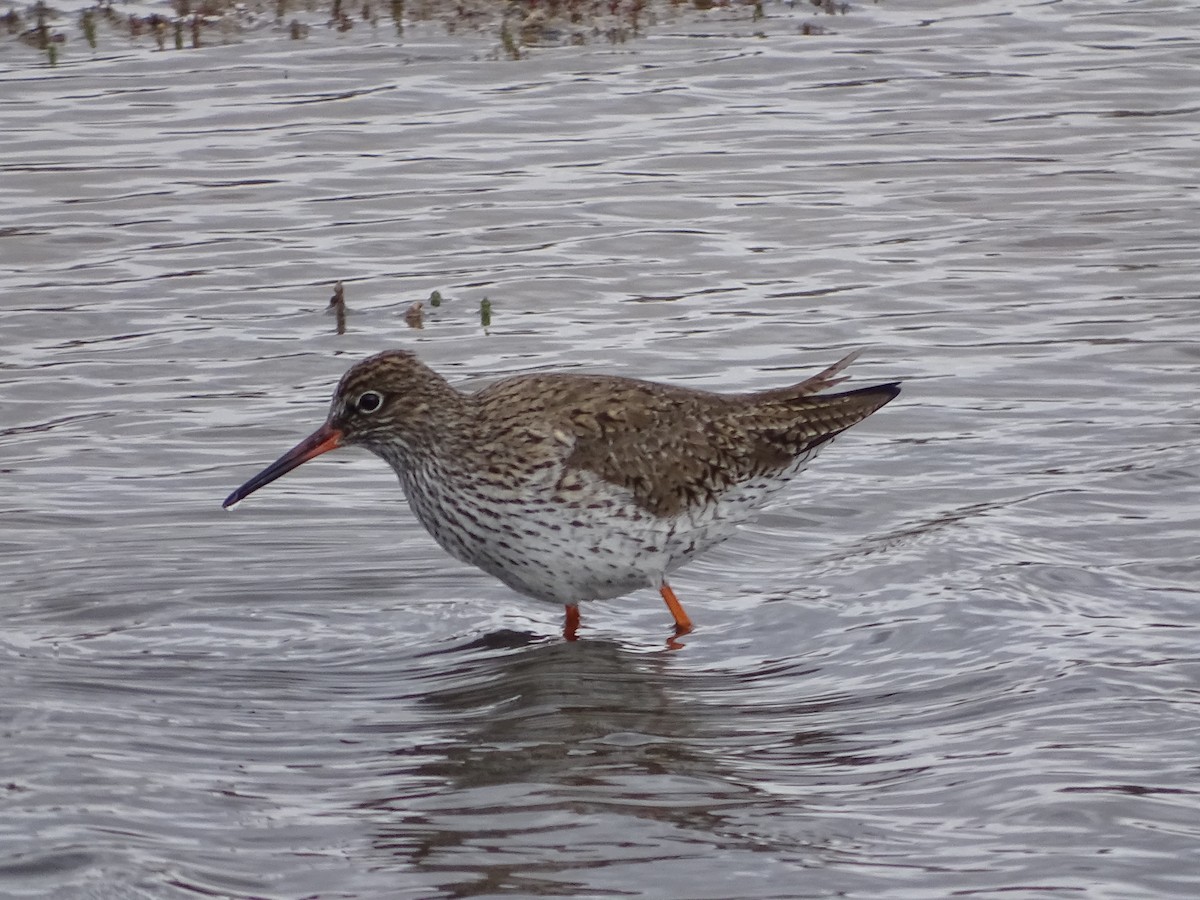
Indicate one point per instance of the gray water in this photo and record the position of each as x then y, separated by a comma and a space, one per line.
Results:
959, 659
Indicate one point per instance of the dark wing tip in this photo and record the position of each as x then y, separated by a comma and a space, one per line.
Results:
891, 388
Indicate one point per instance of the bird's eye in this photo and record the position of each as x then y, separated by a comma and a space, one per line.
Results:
369, 402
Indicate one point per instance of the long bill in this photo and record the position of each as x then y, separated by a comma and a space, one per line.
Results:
322, 440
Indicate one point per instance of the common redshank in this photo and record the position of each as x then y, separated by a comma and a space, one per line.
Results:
579, 487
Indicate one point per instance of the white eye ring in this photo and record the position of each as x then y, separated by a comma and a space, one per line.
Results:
369, 402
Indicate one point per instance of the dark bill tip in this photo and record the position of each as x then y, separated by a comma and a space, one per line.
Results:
322, 440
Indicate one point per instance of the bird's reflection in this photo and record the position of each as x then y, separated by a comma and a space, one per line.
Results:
547, 747
554, 711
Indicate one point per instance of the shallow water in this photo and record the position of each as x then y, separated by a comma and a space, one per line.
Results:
959, 659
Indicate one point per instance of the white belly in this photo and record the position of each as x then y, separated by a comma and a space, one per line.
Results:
600, 545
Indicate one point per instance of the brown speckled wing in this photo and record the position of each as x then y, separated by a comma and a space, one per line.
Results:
674, 447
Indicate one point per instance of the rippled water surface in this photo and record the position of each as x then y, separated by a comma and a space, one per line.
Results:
960, 659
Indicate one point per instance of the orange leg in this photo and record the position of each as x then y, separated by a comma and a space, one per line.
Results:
682, 623
571, 624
